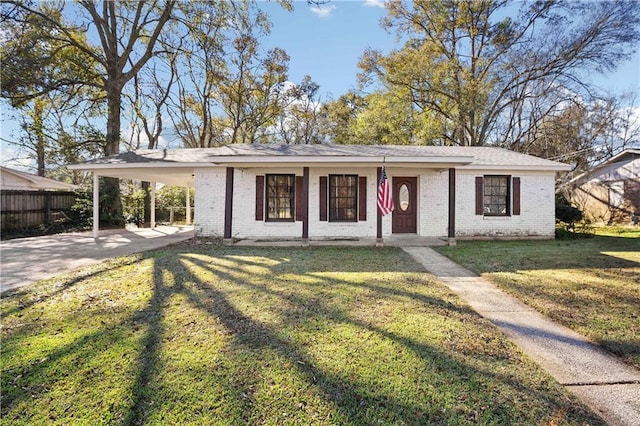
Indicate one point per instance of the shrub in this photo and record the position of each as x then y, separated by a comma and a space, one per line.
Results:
562, 233
81, 212
133, 205
566, 213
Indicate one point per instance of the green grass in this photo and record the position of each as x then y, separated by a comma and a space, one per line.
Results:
218, 335
591, 285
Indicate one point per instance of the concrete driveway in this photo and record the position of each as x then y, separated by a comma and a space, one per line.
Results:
26, 260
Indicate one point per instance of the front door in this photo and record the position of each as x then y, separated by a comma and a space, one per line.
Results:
405, 212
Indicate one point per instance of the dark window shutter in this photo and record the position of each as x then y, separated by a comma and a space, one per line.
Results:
479, 195
323, 198
516, 195
259, 197
299, 209
362, 198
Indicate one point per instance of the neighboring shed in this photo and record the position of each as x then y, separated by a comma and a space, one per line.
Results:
610, 192
28, 200
317, 192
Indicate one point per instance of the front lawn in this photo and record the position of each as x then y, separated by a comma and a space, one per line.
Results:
217, 335
591, 285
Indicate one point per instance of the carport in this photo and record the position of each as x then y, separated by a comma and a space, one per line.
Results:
154, 168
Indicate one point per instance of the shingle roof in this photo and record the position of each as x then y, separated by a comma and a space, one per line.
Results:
479, 156
627, 154
34, 182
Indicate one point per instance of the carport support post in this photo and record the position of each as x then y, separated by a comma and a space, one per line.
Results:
452, 207
153, 204
188, 206
96, 205
305, 206
228, 207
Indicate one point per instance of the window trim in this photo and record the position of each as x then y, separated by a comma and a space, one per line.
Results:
508, 197
292, 197
330, 186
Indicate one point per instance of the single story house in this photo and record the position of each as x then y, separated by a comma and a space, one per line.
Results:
15, 180
610, 192
319, 192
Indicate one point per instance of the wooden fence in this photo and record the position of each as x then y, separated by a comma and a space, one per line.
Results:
28, 209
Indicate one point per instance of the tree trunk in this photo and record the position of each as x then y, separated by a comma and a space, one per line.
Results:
146, 187
38, 129
111, 202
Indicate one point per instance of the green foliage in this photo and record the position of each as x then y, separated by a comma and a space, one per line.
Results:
133, 205
338, 117
173, 196
565, 212
387, 120
81, 212
36, 63
110, 203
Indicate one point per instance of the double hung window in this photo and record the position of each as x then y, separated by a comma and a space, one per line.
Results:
343, 198
497, 195
280, 194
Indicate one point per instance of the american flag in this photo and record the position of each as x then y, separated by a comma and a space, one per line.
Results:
385, 201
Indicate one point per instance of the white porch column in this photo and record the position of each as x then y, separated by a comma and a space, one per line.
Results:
96, 205
188, 206
153, 204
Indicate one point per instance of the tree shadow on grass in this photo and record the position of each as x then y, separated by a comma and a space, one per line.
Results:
354, 400
151, 317
47, 289
31, 381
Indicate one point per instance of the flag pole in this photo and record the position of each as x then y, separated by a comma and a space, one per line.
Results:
385, 198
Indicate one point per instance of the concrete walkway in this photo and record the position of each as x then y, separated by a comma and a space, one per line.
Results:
25, 260
603, 382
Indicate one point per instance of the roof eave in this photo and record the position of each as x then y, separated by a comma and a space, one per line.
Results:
150, 165
540, 168
331, 159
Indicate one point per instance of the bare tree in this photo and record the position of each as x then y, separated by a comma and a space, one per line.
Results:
479, 70
228, 90
127, 34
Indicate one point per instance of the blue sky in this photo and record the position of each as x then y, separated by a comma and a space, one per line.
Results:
326, 42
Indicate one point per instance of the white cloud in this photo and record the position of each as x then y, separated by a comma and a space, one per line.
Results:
132, 134
374, 3
323, 11
14, 158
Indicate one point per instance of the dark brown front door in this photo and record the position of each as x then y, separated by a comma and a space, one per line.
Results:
405, 212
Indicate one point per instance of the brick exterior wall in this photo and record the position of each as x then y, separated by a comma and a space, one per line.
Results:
209, 202
537, 218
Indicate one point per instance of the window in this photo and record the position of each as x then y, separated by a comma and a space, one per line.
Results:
496, 195
343, 198
280, 197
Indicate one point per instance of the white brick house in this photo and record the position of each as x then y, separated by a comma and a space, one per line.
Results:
316, 192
